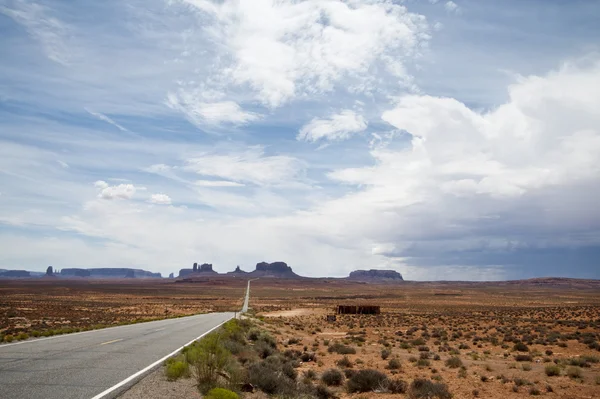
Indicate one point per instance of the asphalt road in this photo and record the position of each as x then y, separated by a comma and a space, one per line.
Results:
84, 365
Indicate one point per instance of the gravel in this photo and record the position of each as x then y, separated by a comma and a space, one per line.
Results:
156, 386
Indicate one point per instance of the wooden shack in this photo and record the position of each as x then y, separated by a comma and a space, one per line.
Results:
358, 309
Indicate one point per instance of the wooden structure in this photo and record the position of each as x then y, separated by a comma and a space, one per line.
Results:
358, 309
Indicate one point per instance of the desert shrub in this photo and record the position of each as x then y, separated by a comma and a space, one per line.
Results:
310, 374
549, 352
220, 393
366, 381
521, 381
175, 369
349, 373
534, 391
520, 347
574, 372
397, 386
332, 377
552, 370
394, 364
423, 363
526, 367
454, 362
269, 378
308, 357
210, 360
426, 389
462, 373
322, 392
22, 336
341, 349
523, 358
344, 362
385, 353
8, 338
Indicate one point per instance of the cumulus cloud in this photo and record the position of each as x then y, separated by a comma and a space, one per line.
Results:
284, 49
339, 126
101, 184
121, 191
250, 166
160, 199
497, 180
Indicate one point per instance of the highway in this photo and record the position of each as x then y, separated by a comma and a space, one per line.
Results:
92, 364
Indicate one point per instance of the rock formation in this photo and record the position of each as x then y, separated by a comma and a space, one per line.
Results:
109, 272
171, 275
375, 275
15, 274
237, 271
275, 269
49, 271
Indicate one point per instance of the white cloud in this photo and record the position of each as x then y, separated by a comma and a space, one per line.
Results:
106, 119
101, 184
281, 50
337, 127
122, 191
217, 183
203, 113
451, 6
161, 199
250, 166
509, 175
47, 30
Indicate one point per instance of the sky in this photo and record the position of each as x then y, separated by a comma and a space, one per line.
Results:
446, 140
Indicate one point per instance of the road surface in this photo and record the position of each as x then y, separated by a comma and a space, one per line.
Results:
85, 365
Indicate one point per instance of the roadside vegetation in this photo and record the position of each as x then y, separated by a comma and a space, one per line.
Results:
241, 360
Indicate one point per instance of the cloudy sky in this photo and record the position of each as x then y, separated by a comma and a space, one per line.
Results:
443, 139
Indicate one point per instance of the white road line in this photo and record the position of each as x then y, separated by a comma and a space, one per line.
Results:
141, 372
160, 329
112, 342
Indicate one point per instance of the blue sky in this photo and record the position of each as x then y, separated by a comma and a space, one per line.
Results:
443, 139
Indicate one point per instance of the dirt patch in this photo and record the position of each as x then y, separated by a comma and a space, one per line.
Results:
292, 313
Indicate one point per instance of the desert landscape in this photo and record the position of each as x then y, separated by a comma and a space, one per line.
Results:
489, 340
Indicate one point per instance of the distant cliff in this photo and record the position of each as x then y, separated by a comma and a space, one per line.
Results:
205, 269
375, 275
275, 269
109, 272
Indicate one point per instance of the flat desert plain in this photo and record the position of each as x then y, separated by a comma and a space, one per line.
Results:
488, 340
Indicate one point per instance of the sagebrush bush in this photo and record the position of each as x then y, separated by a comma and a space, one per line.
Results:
574, 372
520, 347
366, 381
332, 377
341, 349
394, 364
385, 353
344, 362
552, 370
454, 362
397, 386
421, 388
523, 358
